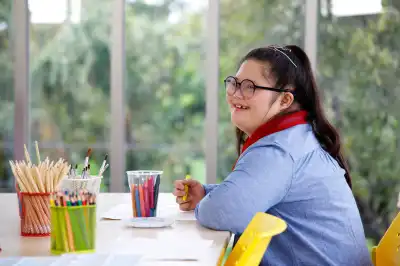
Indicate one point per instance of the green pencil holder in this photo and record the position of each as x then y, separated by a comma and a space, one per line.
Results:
73, 229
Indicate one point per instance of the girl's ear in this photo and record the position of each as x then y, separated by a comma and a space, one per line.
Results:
287, 100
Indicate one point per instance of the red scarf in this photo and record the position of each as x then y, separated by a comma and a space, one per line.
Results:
277, 124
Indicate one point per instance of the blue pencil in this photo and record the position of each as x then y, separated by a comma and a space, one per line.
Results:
137, 201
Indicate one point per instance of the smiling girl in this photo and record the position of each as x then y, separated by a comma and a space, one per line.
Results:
290, 165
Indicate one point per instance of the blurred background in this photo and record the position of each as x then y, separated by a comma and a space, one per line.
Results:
143, 81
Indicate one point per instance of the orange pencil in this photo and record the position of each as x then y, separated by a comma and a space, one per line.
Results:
133, 200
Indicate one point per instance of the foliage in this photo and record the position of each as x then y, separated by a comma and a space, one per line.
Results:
358, 63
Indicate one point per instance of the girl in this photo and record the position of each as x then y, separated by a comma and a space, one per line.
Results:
290, 165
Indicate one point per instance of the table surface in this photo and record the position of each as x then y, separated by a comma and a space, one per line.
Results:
113, 236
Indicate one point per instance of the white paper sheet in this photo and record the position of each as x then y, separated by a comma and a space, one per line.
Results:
124, 211
119, 212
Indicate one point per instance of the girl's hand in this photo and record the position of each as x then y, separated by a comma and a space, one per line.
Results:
195, 193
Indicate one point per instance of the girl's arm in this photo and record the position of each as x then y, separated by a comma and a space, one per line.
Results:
260, 180
209, 187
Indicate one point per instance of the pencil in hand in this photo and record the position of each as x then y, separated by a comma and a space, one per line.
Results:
186, 189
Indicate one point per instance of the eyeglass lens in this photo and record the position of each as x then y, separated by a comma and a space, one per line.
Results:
247, 87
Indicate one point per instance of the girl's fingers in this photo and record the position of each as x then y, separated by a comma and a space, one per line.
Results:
178, 184
180, 200
184, 206
178, 193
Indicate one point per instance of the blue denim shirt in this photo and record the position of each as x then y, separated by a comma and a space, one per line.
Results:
289, 175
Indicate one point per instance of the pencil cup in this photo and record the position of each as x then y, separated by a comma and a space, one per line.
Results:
34, 214
144, 187
91, 184
73, 229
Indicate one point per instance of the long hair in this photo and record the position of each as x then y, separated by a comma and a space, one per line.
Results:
291, 67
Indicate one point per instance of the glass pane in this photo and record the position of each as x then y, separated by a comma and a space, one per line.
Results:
358, 70
6, 98
70, 65
165, 88
245, 25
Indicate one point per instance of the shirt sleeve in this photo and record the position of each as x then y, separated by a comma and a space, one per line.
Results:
209, 187
260, 180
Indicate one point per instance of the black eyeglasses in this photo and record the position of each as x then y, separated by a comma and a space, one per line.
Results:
246, 87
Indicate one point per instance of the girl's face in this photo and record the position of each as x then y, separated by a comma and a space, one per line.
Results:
251, 106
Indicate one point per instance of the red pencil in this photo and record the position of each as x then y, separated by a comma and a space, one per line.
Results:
146, 197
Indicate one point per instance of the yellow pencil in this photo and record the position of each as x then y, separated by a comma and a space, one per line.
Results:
186, 189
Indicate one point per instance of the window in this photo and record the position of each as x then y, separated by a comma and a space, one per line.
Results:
358, 70
165, 88
70, 84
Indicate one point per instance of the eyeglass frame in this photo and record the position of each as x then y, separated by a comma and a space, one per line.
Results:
239, 86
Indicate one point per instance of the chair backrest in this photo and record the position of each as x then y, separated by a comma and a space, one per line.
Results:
252, 244
387, 253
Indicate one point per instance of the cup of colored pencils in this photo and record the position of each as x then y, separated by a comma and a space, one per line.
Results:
73, 222
144, 187
35, 183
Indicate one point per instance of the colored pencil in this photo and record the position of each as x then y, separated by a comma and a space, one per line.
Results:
156, 192
151, 191
146, 198
133, 200
141, 198
186, 189
137, 199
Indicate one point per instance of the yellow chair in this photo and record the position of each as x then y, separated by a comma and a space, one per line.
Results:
255, 239
387, 252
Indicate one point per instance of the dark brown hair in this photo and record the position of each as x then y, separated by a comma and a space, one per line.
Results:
298, 74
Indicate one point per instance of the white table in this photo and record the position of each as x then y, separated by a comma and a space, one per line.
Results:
112, 235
